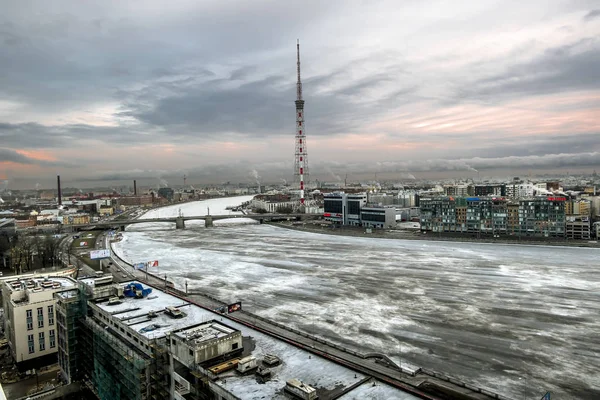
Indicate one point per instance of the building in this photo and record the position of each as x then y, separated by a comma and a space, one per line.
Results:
136, 342
143, 200
30, 322
166, 193
542, 216
106, 210
520, 190
490, 190
355, 202
76, 219
462, 190
344, 208
578, 227
334, 207
495, 216
273, 203
378, 216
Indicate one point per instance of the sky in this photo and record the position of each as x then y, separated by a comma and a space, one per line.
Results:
116, 90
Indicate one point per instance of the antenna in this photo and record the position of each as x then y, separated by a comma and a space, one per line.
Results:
300, 161
299, 84
184, 178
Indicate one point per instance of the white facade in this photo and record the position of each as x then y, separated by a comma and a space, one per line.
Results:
271, 207
520, 190
30, 310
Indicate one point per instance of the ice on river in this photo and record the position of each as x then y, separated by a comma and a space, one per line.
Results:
518, 320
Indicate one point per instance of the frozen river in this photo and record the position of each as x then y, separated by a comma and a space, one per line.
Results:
518, 320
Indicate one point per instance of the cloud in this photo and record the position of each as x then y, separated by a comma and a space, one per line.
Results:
591, 15
475, 164
565, 68
203, 85
12, 156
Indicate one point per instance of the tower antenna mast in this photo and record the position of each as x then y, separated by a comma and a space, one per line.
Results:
300, 159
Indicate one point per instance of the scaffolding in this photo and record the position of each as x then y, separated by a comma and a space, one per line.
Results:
119, 370
160, 378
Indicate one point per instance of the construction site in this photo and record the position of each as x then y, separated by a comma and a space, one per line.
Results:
131, 341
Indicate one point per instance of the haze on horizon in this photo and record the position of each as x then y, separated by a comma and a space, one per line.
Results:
109, 91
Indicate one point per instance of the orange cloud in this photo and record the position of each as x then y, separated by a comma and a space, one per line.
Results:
576, 113
41, 155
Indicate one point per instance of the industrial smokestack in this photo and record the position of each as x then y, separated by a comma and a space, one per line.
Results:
134, 188
59, 191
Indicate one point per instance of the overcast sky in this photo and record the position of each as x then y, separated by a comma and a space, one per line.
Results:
106, 90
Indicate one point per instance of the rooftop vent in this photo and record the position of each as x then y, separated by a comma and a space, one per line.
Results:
271, 360
173, 312
114, 300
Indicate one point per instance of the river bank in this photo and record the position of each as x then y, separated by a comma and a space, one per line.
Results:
431, 236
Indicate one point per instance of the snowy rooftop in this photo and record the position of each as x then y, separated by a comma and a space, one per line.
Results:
320, 373
205, 331
40, 284
134, 313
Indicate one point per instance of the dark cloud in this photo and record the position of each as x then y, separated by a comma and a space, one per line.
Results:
558, 70
591, 15
497, 146
265, 106
547, 161
33, 135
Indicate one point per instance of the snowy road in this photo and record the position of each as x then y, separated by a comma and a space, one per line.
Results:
518, 320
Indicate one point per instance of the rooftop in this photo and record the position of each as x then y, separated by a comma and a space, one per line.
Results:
147, 315
203, 332
39, 284
199, 324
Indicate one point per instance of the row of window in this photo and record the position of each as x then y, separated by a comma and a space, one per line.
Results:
41, 341
40, 317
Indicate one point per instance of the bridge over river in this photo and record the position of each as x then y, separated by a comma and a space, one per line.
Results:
179, 221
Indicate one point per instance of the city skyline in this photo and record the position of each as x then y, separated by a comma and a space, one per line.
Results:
115, 92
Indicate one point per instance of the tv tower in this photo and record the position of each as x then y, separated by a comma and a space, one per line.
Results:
301, 162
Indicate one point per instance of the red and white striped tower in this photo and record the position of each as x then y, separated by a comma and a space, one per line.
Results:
301, 163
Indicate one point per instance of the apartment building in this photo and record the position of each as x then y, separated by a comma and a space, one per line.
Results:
542, 216
495, 216
30, 318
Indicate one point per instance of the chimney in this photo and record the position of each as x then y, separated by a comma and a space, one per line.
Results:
134, 188
59, 191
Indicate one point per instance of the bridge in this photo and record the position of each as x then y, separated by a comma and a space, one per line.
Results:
179, 221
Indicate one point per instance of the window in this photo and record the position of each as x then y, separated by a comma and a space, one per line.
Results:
191, 352
29, 320
52, 339
50, 315
30, 342
42, 342
40, 317
234, 346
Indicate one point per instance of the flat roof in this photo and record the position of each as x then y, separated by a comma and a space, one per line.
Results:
204, 332
134, 313
52, 283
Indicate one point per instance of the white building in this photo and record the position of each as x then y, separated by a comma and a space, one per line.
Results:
30, 319
520, 190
